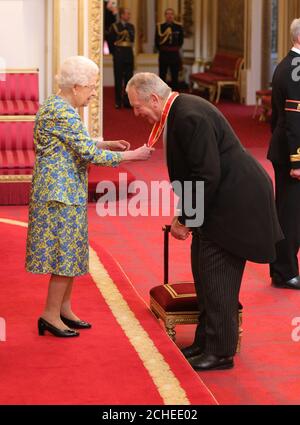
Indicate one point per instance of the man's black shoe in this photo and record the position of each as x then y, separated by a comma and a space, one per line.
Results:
288, 284
191, 351
211, 362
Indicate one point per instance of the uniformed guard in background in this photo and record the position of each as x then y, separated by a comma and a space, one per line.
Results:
122, 35
110, 17
168, 41
284, 152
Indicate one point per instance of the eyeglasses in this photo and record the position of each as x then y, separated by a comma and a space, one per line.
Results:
91, 87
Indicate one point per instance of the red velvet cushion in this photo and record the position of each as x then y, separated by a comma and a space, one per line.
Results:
24, 86
16, 159
266, 101
18, 107
176, 297
209, 77
225, 64
16, 135
267, 92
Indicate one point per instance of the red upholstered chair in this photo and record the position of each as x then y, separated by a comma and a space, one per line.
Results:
263, 99
16, 159
19, 92
176, 303
19, 102
16, 146
223, 71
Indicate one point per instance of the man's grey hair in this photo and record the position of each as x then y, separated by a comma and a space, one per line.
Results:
76, 70
295, 30
146, 83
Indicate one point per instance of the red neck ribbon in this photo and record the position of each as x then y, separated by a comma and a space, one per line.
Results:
159, 126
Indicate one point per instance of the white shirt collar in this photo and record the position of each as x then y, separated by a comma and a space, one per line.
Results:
294, 49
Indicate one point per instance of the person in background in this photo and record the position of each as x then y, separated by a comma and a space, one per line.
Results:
122, 35
168, 41
110, 17
284, 153
57, 241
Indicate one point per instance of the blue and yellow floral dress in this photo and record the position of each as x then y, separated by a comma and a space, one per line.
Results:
57, 240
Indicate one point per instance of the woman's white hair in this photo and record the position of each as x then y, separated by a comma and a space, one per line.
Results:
146, 83
295, 30
76, 70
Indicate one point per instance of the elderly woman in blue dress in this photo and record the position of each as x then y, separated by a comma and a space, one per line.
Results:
57, 241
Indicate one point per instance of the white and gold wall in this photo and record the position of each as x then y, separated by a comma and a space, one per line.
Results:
22, 36
42, 33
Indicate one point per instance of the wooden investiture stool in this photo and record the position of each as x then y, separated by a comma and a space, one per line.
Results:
176, 303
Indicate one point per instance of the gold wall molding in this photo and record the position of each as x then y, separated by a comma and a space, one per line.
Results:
13, 178
266, 45
287, 11
231, 26
56, 42
208, 28
186, 16
95, 20
46, 47
247, 33
80, 41
17, 118
19, 70
81, 27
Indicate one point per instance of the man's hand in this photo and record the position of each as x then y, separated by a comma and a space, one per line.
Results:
178, 230
295, 173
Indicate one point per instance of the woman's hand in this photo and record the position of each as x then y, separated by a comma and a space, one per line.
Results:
117, 145
112, 145
141, 154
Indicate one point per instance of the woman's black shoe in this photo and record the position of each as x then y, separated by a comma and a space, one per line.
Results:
76, 324
43, 326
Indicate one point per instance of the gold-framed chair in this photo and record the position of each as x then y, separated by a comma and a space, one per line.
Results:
224, 71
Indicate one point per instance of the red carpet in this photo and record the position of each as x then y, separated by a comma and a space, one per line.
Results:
99, 367
267, 369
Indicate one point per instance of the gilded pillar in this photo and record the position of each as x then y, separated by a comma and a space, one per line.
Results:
266, 45
95, 20
287, 11
55, 41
